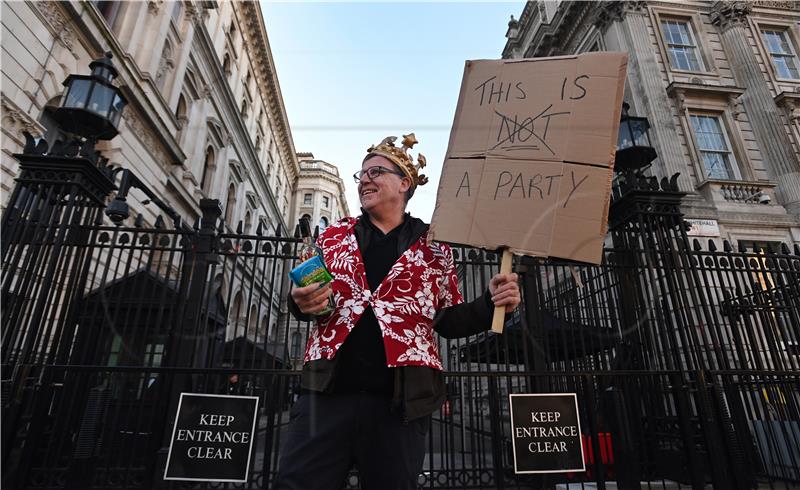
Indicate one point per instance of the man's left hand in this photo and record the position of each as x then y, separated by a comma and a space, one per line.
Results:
505, 291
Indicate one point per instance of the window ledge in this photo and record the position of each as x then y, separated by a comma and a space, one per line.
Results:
707, 74
696, 88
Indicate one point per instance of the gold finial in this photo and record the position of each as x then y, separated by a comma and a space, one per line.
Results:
409, 140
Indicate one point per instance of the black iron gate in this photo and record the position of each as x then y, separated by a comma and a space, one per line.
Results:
684, 358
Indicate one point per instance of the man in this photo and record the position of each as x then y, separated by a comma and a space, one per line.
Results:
373, 374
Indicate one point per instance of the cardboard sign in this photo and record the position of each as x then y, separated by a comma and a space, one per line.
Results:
546, 433
531, 156
212, 439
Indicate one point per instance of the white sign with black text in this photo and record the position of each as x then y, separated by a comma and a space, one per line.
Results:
546, 433
212, 439
703, 227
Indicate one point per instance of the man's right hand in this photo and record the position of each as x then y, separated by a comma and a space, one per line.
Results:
313, 298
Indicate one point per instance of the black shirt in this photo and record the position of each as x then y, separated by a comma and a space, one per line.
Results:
362, 356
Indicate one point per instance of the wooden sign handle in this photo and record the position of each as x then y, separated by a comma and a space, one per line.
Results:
500, 311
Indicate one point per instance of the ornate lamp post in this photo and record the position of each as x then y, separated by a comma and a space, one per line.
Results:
634, 151
91, 105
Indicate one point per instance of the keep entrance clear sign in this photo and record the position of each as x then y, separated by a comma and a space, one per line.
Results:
546, 433
212, 439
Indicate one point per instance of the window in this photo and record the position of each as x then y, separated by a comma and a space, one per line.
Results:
244, 109
231, 204
781, 52
307, 199
176, 12
296, 345
208, 170
713, 147
248, 222
325, 202
681, 46
109, 11
180, 112
226, 64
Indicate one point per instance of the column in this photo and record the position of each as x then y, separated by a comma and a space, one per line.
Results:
768, 128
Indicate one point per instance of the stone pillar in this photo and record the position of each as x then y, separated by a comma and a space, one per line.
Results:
768, 128
629, 20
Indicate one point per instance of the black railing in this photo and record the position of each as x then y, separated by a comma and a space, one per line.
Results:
684, 358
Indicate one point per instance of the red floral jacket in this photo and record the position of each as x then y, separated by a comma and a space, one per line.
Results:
421, 282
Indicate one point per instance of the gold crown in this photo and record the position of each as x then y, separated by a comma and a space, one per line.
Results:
400, 157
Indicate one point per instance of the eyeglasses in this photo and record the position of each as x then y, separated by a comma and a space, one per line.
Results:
373, 173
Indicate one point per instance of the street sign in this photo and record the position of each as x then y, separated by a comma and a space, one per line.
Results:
703, 227
212, 438
546, 433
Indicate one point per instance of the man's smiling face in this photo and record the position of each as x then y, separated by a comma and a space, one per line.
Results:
385, 192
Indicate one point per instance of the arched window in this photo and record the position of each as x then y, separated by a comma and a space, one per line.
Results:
208, 170
181, 112
248, 222
165, 64
176, 13
258, 143
244, 109
323, 223
232, 29
247, 79
252, 324
296, 345
233, 317
226, 64
264, 330
230, 204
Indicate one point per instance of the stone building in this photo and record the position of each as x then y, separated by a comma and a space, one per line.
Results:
720, 85
320, 192
320, 197
205, 116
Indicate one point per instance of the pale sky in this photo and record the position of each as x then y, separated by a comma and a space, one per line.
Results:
353, 73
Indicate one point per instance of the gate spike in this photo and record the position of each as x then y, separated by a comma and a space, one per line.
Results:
741, 246
260, 229
240, 228
712, 247
177, 222
297, 231
30, 143
139, 221
316, 232
726, 246
196, 225
673, 182
159, 222
797, 248
771, 248
278, 230
696, 245
785, 248
221, 227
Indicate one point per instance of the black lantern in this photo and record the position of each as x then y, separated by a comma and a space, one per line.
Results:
91, 106
634, 150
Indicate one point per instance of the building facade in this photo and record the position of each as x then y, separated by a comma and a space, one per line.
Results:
320, 197
320, 192
205, 117
720, 85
